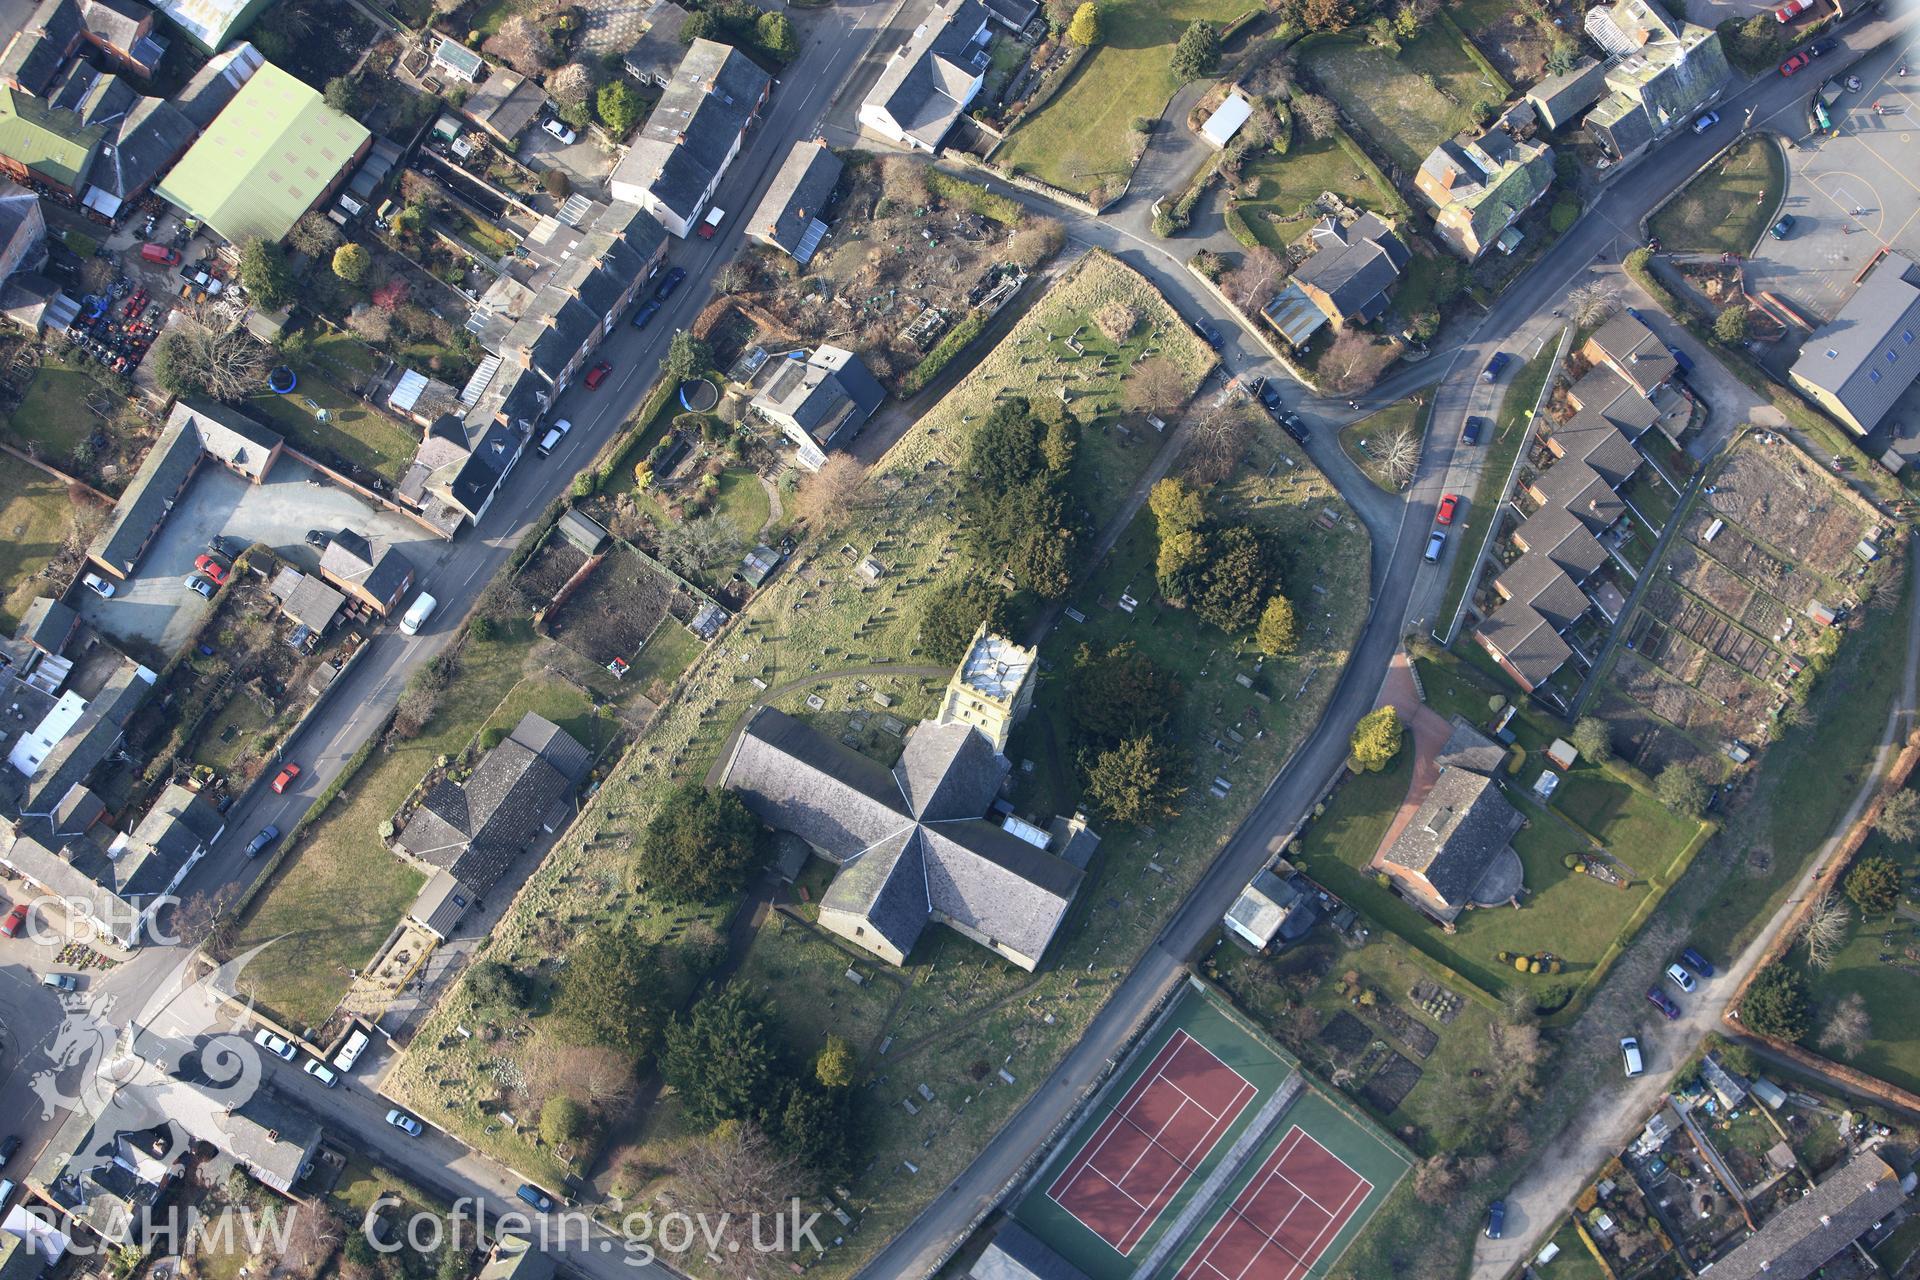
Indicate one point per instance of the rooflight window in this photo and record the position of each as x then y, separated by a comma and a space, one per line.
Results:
1873, 375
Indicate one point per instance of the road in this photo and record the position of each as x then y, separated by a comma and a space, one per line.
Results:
1406, 592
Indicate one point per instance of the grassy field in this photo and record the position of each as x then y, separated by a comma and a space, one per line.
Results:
1079, 139
1725, 209
53, 416
337, 897
1291, 182
35, 517
1404, 115
363, 435
1516, 414
1361, 441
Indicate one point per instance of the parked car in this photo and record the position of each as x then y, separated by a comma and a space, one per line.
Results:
648, 310
274, 1045
258, 845
212, 568
1269, 392
1825, 44
551, 441
1293, 426
1630, 1054
1448, 505
1470, 431
9, 1147
534, 1196
1436, 543
160, 254
1681, 978
98, 585
1680, 358
1663, 1002
199, 586
558, 129
711, 223
404, 1122
669, 284
1494, 366
1208, 334
318, 539
60, 981
1706, 122
1790, 10
322, 1072
417, 614
284, 779
15, 921
1496, 1219
1794, 63
598, 374
1783, 228
6, 1191
1699, 963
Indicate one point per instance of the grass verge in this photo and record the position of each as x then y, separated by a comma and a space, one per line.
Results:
1725, 208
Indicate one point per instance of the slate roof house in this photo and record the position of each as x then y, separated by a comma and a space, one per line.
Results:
917, 844
372, 573
819, 400
515, 1258
504, 104
1659, 75
1558, 99
1345, 282
23, 229
1810, 1231
658, 51
1856, 367
119, 30
78, 730
692, 136
1456, 852
932, 79
788, 217
1015, 1253
1627, 346
1480, 187
473, 830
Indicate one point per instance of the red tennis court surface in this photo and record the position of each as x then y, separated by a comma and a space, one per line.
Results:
1284, 1219
1147, 1148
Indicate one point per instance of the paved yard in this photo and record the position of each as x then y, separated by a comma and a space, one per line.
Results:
1868, 168
156, 609
584, 163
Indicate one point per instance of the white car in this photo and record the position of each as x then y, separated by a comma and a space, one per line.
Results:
98, 585
199, 586
560, 131
1681, 977
274, 1045
1630, 1053
554, 436
404, 1122
321, 1071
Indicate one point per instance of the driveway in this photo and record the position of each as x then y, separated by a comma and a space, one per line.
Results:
153, 608
1729, 401
585, 163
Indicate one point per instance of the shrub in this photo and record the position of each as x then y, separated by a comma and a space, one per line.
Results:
1534, 966
492, 737
1521, 963
1572, 862
1565, 212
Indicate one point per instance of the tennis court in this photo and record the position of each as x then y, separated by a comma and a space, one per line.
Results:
1284, 1218
1142, 1154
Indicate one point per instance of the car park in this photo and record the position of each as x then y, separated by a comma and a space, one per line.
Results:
534, 1196
98, 585
1436, 543
598, 374
1496, 1219
1697, 962
1706, 122
669, 284
320, 1071
1794, 63
284, 779
1681, 978
551, 441
274, 1044
199, 586
265, 837
214, 570
648, 310
16, 919
558, 129
1494, 366
1663, 1002
1448, 506
1630, 1055
1783, 228
1470, 431
1208, 334
405, 1123
59, 981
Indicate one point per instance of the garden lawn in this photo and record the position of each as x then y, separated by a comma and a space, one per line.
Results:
743, 500
354, 430
1575, 1261
35, 517
1081, 138
1386, 96
336, 897
53, 415
669, 651
1726, 208
1360, 440
1289, 184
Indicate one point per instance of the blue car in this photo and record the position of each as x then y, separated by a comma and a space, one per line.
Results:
1697, 962
672, 282
1496, 1219
1470, 432
1494, 366
648, 310
534, 1196
1208, 334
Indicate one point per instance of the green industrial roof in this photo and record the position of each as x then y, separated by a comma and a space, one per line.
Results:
51, 142
266, 160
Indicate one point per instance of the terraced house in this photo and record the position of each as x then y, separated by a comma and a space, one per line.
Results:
694, 133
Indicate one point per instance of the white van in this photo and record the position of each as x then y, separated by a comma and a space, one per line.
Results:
552, 439
356, 1045
418, 613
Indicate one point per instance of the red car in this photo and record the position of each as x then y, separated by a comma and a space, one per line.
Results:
16, 919
1448, 505
598, 374
285, 777
1794, 63
212, 568
1792, 9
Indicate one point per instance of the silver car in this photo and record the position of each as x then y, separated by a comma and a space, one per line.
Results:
1681, 977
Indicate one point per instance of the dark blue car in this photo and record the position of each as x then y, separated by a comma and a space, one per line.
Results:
668, 285
1496, 1219
534, 1196
1697, 962
1494, 366
648, 310
1208, 334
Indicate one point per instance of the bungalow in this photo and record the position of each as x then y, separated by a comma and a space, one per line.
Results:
1346, 281
1273, 908
932, 78
694, 133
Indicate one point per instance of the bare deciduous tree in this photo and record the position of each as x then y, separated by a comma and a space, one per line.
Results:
522, 44
204, 918
1036, 241
1316, 115
692, 545
1594, 302
735, 1173
373, 325
571, 85
1256, 279
313, 1233
1217, 440
314, 235
1117, 319
1899, 818
1355, 362
1825, 929
1848, 1027
1396, 456
904, 181
213, 356
828, 493
1156, 385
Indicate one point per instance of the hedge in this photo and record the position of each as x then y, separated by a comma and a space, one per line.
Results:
943, 353
1474, 55
1238, 228
1395, 204
976, 198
